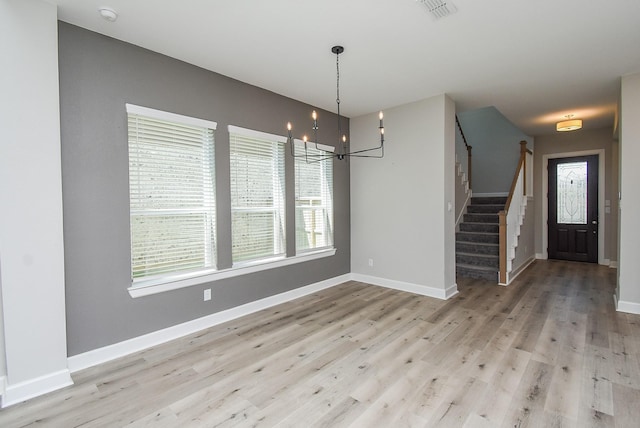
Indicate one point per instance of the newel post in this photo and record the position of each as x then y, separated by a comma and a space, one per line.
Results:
502, 275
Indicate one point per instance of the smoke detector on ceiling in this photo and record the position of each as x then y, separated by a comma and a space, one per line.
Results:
108, 14
439, 8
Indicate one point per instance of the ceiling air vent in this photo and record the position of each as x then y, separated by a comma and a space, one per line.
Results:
439, 8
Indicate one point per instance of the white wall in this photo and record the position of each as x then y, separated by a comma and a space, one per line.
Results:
629, 268
402, 215
31, 240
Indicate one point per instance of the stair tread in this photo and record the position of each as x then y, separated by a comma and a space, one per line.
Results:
476, 267
486, 244
475, 213
482, 255
479, 233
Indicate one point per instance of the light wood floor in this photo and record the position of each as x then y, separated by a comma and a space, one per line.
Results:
548, 351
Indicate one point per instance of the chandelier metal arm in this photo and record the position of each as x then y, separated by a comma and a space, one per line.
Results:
337, 50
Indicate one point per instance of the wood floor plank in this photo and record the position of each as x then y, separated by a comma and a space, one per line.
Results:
626, 408
547, 350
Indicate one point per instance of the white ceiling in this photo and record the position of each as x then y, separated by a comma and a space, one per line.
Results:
534, 60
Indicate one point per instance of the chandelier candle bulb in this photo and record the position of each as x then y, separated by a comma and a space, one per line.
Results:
326, 152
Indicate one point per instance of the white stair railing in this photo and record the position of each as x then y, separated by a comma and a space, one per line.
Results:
512, 217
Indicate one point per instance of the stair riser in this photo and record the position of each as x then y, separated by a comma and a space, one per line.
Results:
489, 209
479, 249
480, 218
479, 227
469, 247
473, 237
492, 200
478, 261
470, 273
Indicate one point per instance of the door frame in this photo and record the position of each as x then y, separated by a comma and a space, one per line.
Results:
545, 199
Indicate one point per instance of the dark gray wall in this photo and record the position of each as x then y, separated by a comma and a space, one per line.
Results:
98, 75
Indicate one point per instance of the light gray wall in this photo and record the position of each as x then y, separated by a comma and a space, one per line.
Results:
98, 75
3, 360
576, 141
629, 268
399, 203
496, 148
31, 237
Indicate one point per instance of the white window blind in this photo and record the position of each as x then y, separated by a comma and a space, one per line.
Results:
257, 195
314, 199
172, 193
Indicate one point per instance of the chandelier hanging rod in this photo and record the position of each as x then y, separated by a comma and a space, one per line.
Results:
329, 151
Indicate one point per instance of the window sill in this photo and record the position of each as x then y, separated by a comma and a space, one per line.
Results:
147, 288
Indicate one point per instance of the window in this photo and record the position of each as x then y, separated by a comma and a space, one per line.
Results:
572, 192
314, 200
172, 193
257, 195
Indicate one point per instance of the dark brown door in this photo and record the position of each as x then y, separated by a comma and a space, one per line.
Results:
573, 209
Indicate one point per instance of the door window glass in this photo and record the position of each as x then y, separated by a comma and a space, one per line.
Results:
572, 193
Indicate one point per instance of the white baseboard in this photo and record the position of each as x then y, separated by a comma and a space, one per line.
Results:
424, 290
629, 307
541, 256
490, 195
613, 264
14, 394
3, 385
136, 344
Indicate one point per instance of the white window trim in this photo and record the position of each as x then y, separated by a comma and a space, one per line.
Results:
146, 112
172, 117
266, 139
168, 283
252, 133
303, 252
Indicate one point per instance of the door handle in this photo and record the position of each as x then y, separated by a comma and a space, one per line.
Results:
594, 222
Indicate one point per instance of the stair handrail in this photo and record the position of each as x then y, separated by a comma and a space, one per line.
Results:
519, 188
468, 147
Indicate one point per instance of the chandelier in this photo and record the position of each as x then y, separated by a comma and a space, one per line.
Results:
325, 152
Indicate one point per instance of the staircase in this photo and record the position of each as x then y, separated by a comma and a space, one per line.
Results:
477, 251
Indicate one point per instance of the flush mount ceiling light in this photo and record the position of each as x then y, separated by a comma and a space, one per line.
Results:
108, 14
569, 124
343, 147
439, 8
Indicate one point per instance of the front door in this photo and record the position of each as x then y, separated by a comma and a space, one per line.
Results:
573, 209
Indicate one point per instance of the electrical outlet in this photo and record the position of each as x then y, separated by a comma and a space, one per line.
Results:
370, 262
207, 294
